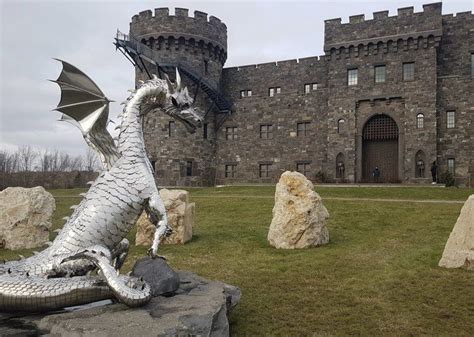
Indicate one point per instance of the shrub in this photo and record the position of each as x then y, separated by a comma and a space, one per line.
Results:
321, 177
447, 178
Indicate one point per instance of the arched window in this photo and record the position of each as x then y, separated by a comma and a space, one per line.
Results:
340, 126
420, 121
340, 166
420, 164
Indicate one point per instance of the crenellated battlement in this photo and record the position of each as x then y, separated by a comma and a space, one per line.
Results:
405, 26
314, 61
198, 34
199, 18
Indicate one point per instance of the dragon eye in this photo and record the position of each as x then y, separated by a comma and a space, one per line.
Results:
173, 100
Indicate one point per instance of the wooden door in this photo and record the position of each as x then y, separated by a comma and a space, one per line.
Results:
380, 149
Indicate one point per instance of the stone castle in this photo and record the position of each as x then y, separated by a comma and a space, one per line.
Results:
393, 92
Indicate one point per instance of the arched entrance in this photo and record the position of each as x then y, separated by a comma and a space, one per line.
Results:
380, 150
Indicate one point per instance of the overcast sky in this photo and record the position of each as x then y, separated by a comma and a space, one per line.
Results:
81, 32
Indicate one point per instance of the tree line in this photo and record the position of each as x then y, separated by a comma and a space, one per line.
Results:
28, 159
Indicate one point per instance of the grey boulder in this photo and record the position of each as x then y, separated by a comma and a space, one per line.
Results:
158, 274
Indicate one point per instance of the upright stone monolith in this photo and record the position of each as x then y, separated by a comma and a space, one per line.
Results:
459, 250
299, 216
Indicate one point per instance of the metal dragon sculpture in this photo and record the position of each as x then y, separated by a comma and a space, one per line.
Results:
82, 263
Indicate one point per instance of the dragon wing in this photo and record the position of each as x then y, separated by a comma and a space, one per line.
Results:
84, 105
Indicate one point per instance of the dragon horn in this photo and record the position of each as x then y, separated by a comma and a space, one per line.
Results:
170, 85
178, 80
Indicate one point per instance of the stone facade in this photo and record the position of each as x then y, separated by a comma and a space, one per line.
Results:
411, 67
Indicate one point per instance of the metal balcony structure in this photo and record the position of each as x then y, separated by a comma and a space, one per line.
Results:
138, 53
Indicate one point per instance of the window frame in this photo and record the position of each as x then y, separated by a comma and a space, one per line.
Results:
472, 65
352, 80
304, 132
245, 93
267, 130
405, 78
264, 170
380, 77
420, 121
230, 170
340, 125
189, 168
273, 91
450, 119
306, 168
451, 168
309, 87
231, 135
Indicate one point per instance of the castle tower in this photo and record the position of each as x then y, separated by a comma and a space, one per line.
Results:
197, 45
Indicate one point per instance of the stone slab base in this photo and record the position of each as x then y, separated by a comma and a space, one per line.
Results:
199, 307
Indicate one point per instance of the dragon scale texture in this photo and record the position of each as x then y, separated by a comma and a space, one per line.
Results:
82, 263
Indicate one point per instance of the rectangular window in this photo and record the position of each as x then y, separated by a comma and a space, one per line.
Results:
231, 133
379, 72
189, 168
352, 76
273, 91
303, 168
206, 67
451, 167
472, 65
308, 87
204, 130
171, 128
266, 131
450, 119
408, 71
230, 170
264, 170
302, 129
245, 93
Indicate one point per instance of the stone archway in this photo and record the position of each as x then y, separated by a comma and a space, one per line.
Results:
380, 149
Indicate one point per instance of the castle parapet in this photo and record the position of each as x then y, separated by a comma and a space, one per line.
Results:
383, 28
161, 23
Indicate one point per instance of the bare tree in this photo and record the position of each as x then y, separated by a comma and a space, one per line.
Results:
27, 156
91, 162
77, 163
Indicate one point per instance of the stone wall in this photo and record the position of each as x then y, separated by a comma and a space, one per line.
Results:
285, 148
455, 92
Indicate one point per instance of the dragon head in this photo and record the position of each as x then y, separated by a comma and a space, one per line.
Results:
181, 106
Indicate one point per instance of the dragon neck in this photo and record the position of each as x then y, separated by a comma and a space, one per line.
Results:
131, 141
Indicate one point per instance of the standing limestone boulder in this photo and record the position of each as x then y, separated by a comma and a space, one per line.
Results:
299, 216
459, 250
180, 217
25, 217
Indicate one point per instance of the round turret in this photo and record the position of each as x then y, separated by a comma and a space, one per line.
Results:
195, 42
198, 47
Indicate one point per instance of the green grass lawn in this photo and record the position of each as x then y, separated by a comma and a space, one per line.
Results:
378, 276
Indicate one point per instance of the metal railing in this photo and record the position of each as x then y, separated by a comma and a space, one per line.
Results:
132, 44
